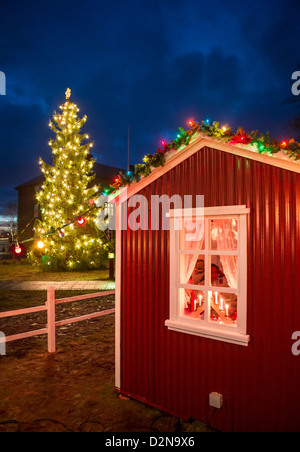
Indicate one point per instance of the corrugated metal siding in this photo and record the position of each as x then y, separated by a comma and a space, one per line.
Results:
178, 371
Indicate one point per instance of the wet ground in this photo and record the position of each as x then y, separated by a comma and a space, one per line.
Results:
73, 389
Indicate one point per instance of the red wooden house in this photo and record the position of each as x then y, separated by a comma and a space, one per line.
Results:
211, 305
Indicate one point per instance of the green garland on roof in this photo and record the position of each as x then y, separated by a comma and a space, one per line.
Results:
263, 143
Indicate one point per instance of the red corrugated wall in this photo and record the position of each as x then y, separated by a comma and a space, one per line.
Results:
177, 372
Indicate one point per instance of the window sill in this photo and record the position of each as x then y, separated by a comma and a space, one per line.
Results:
232, 337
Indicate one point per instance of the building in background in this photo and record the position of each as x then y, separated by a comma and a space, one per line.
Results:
8, 227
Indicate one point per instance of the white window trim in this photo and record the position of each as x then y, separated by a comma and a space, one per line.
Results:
232, 334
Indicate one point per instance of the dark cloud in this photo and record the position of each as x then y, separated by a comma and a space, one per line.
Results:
149, 65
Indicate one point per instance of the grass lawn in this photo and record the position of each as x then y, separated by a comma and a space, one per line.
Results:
13, 271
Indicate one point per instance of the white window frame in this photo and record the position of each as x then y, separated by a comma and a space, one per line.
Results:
235, 334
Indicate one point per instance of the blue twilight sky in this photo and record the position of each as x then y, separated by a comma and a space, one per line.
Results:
150, 65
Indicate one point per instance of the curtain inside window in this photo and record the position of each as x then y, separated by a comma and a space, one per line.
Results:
193, 240
224, 237
227, 240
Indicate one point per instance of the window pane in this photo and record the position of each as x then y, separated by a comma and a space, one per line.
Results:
192, 269
224, 234
223, 308
194, 303
224, 271
192, 235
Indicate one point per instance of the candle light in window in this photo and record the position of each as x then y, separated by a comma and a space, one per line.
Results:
210, 298
195, 305
222, 304
227, 310
216, 298
192, 302
200, 300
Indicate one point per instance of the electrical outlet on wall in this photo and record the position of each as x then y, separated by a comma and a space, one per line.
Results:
216, 400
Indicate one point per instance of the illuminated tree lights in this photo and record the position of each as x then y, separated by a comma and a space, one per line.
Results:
67, 234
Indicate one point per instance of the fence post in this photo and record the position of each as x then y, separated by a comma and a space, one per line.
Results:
2, 344
51, 319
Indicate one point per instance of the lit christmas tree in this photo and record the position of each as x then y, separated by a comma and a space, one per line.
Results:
66, 198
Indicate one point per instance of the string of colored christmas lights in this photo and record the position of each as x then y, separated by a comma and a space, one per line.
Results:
263, 144
59, 229
17, 248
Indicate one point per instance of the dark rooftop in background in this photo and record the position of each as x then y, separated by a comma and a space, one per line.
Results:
103, 172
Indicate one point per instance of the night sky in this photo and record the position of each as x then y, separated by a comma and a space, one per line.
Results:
150, 65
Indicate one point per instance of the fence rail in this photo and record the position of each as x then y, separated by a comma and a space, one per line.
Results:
50, 329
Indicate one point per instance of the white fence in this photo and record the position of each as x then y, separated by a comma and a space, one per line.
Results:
49, 306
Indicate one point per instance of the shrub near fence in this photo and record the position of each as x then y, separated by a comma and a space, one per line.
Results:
50, 329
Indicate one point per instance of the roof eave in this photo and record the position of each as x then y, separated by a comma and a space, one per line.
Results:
198, 143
